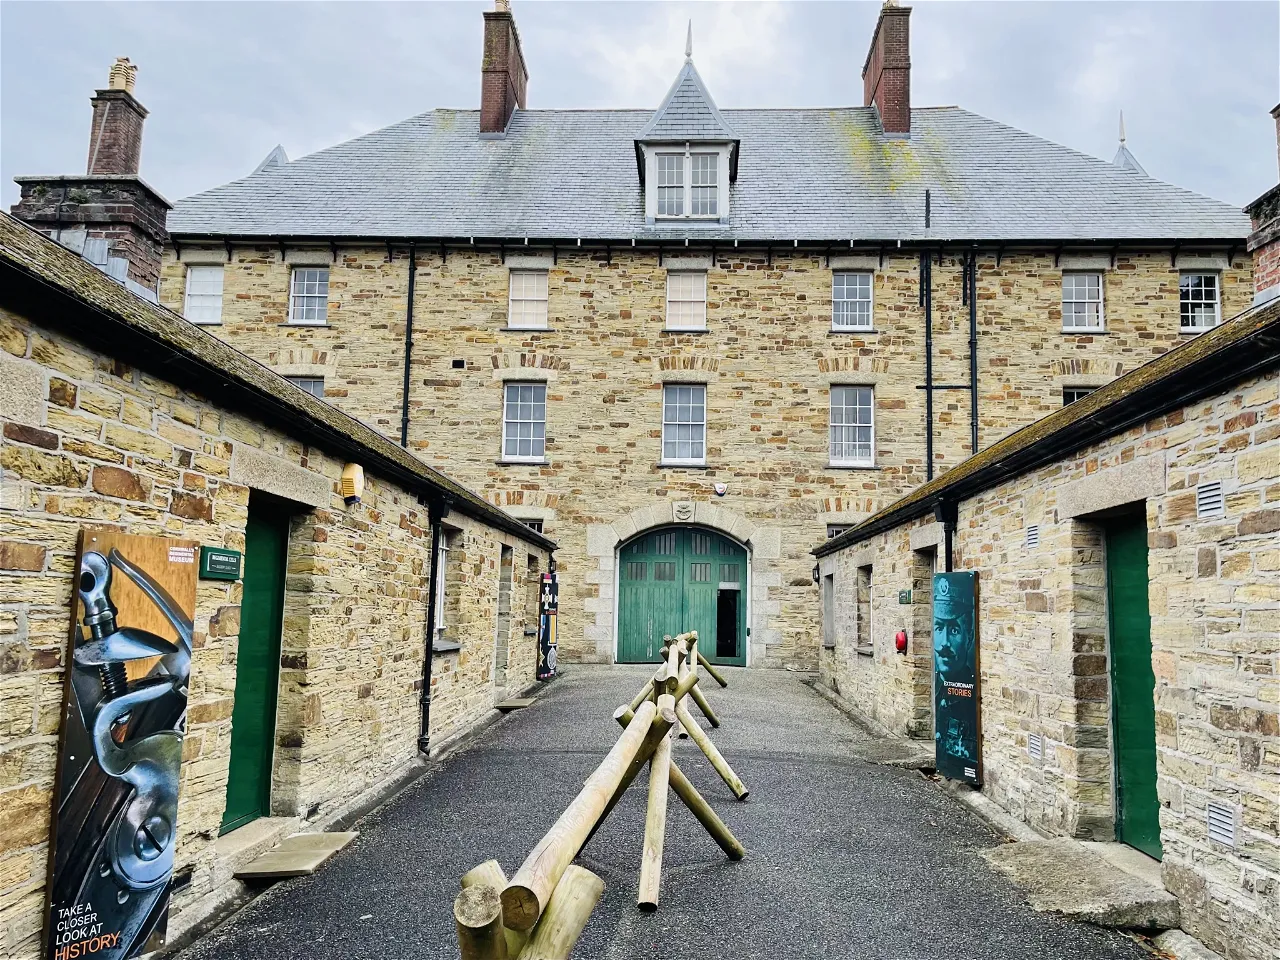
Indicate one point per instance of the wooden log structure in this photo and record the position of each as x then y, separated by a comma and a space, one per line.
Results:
526, 896
490, 872
715, 674
477, 913
655, 827
699, 807
567, 913
699, 736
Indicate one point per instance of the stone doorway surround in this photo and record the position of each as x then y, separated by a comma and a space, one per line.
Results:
764, 576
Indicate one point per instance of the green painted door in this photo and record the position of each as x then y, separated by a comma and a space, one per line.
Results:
679, 579
1133, 685
253, 718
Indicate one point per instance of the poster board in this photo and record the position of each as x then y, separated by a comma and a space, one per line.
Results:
120, 757
956, 689
548, 609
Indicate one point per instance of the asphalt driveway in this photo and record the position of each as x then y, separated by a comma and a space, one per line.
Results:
846, 858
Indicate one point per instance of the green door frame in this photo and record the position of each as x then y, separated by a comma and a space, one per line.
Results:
253, 712
669, 579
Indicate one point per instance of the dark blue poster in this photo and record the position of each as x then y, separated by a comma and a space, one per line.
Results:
955, 677
548, 610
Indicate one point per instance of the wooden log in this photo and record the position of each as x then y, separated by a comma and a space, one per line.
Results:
655, 827
526, 896
700, 699
715, 674
575, 896
699, 736
477, 914
685, 671
490, 872
645, 693
667, 710
673, 668
697, 805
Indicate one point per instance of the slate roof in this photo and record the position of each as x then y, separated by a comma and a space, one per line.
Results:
687, 112
803, 174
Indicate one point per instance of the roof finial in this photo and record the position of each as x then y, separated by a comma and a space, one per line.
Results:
1122, 128
688, 44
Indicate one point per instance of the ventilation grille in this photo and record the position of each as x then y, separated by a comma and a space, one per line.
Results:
1209, 499
1222, 823
1033, 536
1035, 746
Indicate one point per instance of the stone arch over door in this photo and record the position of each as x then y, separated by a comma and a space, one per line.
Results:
764, 578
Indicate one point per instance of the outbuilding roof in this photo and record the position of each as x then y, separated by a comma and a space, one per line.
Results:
803, 174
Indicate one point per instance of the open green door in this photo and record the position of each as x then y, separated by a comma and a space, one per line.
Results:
677, 579
1133, 684
253, 717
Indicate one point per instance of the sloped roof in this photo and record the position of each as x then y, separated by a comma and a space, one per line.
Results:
804, 174
687, 112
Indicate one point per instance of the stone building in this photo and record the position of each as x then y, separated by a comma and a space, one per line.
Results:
119, 414
1155, 500
691, 342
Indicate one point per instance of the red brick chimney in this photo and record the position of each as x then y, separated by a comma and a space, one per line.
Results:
503, 74
108, 214
886, 76
1264, 242
115, 138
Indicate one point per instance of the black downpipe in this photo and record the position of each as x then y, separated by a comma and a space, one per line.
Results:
437, 510
947, 512
926, 300
408, 353
973, 347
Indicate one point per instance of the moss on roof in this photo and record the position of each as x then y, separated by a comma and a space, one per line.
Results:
1253, 336
246, 384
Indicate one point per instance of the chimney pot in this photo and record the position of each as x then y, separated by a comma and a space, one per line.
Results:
503, 78
122, 76
886, 74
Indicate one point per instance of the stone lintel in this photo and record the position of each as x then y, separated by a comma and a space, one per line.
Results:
259, 470
1114, 486
929, 535
22, 391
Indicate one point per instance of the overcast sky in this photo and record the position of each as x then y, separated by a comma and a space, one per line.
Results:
225, 82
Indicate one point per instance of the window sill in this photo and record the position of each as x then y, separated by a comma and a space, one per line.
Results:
681, 465
516, 462
1196, 331
445, 646
852, 466
828, 646
850, 331
205, 323
304, 323
1083, 331
865, 651
685, 330
526, 330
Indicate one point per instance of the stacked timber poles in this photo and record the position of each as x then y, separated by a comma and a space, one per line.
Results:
540, 912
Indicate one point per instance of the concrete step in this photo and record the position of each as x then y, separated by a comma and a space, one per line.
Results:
296, 856
1065, 877
515, 703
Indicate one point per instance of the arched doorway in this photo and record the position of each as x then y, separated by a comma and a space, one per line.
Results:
679, 578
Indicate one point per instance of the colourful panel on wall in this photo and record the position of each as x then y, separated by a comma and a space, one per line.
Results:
957, 730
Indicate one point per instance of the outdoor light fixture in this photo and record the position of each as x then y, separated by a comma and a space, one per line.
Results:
817, 573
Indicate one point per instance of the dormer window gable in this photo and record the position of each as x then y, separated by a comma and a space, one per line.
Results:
687, 154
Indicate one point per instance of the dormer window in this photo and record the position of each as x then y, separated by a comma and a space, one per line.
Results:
688, 183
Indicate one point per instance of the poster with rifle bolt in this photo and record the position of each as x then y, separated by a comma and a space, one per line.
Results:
125, 709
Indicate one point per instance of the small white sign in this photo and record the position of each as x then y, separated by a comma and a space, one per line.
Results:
182, 554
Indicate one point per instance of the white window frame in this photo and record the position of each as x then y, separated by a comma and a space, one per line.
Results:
687, 152
838, 279
671, 418
832, 426
1083, 391
698, 296
196, 299
526, 297
298, 382
1217, 299
538, 437
1100, 300
302, 276
442, 577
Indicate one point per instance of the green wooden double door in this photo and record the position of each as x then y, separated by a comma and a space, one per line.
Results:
253, 717
678, 579
1133, 712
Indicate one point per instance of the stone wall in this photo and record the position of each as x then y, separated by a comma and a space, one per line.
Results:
90, 440
768, 359
1214, 597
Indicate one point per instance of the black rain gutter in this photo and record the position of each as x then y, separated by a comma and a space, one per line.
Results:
408, 348
973, 348
926, 301
1242, 347
56, 287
